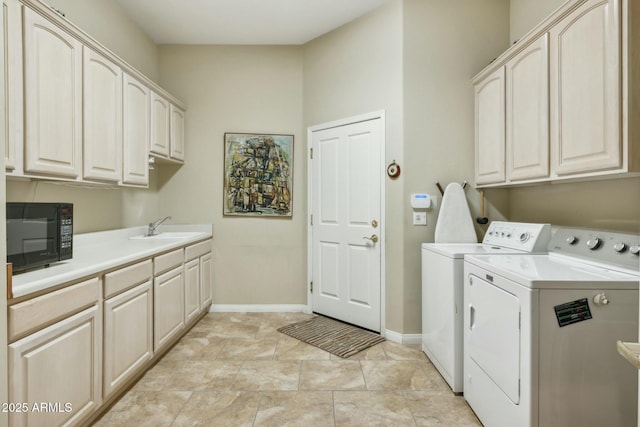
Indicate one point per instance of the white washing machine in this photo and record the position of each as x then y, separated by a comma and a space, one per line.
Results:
540, 332
442, 289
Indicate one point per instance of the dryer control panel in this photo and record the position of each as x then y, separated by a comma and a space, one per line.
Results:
617, 249
527, 237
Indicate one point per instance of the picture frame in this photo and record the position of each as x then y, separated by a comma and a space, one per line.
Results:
258, 175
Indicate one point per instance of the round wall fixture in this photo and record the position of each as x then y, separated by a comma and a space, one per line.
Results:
393, 170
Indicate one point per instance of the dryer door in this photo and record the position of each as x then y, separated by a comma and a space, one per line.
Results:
494, 334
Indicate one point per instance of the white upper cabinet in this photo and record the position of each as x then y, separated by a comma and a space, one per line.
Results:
53, 98
571, 91
585, 89
137, 132
159, 125
177, 133
527, 112
167, 129
69, 112
489, 130
102, 127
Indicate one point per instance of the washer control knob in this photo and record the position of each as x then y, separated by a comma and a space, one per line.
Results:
635, 249
572, 240
524, 237
620, 247
600, 299
594, 243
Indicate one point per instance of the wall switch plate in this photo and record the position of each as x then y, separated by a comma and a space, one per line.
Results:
419, 218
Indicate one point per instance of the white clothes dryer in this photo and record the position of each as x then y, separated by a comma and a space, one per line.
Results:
442, 289
540, 332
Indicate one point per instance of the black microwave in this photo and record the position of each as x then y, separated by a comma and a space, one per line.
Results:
38, 234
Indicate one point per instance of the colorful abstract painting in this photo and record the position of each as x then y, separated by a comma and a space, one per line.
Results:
258, 174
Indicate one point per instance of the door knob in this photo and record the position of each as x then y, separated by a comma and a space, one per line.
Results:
373, 238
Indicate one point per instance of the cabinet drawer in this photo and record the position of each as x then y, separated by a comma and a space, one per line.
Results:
125, 278
36, 313
197, 250
167, 261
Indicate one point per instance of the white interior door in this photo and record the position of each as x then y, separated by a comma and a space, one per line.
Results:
346, 230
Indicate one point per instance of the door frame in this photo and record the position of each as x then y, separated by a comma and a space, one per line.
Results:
374, 115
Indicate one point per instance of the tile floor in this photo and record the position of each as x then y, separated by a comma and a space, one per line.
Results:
235, 369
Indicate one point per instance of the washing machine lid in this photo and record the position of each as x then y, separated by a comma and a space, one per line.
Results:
459, 250
554, 272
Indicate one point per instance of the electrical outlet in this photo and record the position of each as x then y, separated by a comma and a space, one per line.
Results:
419, 218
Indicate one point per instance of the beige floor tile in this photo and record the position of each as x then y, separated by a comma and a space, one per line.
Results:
273, 375
190, 375
153, 409
243, 349
194, 347
438, 384
331, 375
307, 408
397, 351
235, 369
230, 328
431, 409
396, 375
292, 349
371, 408
220, 409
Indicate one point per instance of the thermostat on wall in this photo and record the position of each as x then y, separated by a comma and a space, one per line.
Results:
420, 201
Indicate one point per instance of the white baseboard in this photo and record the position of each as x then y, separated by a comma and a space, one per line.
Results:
259, 308
403, 338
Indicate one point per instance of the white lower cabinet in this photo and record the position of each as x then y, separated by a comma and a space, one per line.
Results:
206, 281
72, 351
128, 335
191, 289
57, 372
168, 296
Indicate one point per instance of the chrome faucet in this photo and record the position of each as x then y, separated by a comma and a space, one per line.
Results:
151, 231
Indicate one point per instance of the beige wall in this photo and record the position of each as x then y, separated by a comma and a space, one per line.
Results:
357, 69
239, 89
445, 45
526, 14
108, 23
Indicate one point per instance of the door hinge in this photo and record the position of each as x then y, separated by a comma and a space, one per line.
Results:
311, 286
311, 153
311, 219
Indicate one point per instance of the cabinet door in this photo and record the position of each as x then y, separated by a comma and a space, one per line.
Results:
585, 89
102, 126
128, 335
490, 129
206, 280
528, 112
9, 154
14, 93
191, 289
137, 132
177, 133
168, 298
159, 125
60, 364
53, 98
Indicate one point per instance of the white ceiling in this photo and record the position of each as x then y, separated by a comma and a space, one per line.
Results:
242, 21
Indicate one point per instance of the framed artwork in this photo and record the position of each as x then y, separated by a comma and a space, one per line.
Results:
258, 175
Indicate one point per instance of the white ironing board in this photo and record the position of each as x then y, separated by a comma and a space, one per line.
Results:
455, 224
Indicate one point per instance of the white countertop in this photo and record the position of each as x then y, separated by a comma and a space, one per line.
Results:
104, 250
